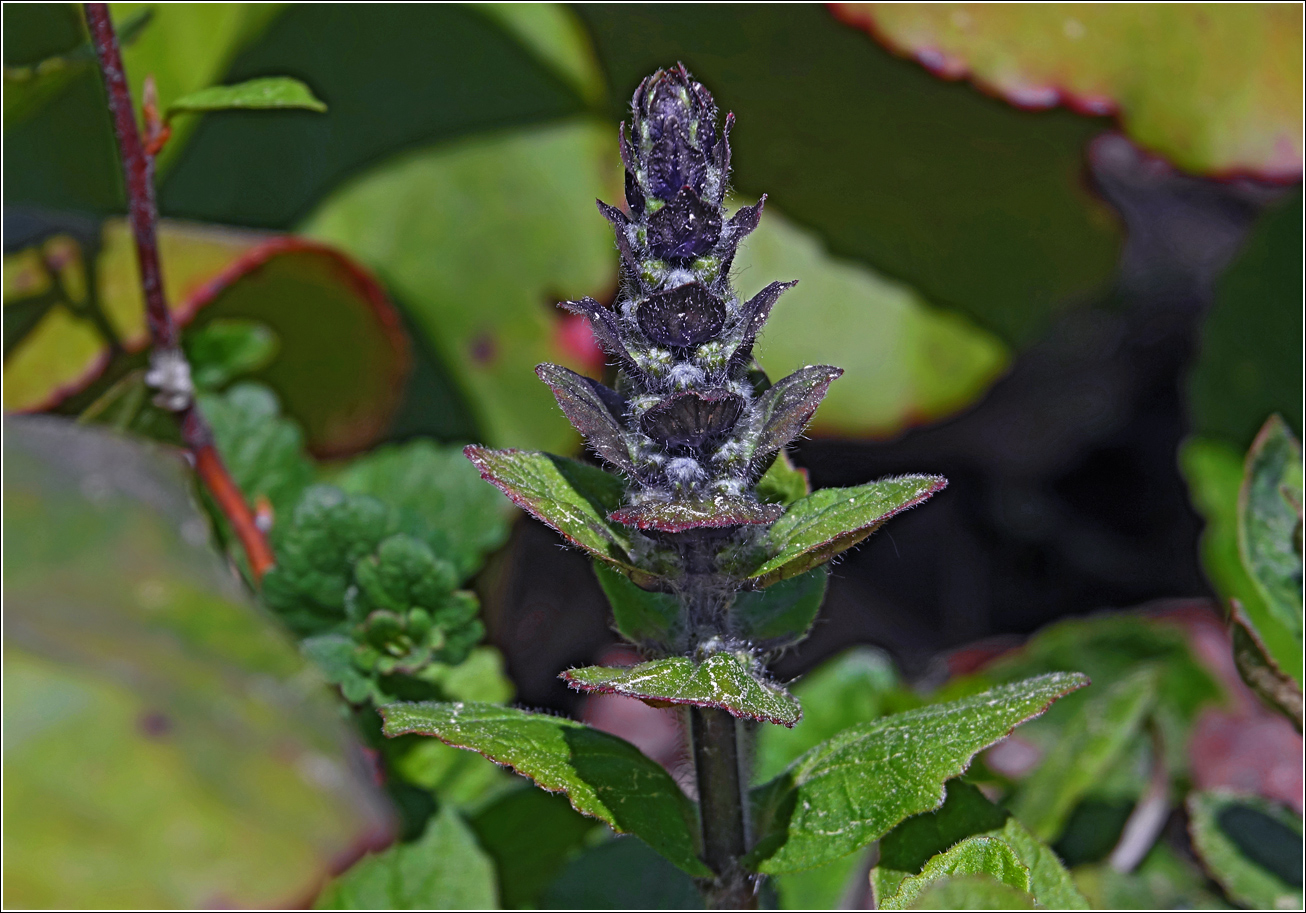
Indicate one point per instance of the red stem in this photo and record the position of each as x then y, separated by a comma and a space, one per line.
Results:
138, 173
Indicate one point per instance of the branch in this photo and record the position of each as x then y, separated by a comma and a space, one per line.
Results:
169, 370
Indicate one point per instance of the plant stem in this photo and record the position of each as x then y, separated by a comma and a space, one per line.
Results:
721, 802
138, 175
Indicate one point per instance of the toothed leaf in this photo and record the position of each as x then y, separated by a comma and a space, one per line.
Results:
854, 788
973, 856
907, 849
724, 681
828, 521
679, 516
570, 497
603, 776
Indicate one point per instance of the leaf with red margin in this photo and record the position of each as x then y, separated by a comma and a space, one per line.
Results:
1217, 89
343, 353
723, 680
816, 528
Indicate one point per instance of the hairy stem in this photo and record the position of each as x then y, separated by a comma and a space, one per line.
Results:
722, 805
138, 176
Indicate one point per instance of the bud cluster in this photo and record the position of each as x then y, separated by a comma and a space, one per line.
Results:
692, 424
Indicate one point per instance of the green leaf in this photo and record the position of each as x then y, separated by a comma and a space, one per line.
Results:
1085, 749
827, 522
529, 834
1164, 881
858, 686
622, 874
553, 34
781, 615
311, 298
435, 490
263, 450
1109, 648
651, 620
1215, 91
602, 775
855, 787
224, 349
783, 483
940, 174
185, 50
972, 892
443, 870
381, 70
1251, 846
726, 681
905, 362
1214, 472
254, 94
1269, 519
145, 698
1259, 670
906, 849
316, 551
972, 856
1249, 360
572, 498
487, 230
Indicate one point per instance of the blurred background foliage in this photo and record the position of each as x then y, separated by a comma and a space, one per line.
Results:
1057, 250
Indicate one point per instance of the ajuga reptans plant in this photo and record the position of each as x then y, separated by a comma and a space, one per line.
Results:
707, 541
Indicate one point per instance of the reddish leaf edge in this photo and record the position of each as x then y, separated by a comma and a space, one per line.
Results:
660, 701
362, 283
1043, 97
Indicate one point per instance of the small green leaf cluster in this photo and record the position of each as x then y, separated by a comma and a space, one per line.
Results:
368, 569
370, 600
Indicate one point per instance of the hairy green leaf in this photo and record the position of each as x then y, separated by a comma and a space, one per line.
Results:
972, 856
1269, 521
723, 680
149, 709
445, 869
645, 618
253, 94
602, 775
858, 686
972, 892
1085, 749
1215, 91
435, 490
1251, 846
906, 849
572, 498
827, 522
855, 787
